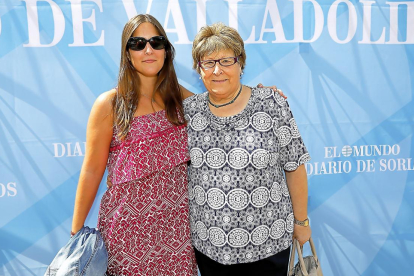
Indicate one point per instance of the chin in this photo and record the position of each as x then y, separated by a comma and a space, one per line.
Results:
217, 91
149, 73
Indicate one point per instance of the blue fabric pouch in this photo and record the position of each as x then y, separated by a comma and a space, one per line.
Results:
84, 255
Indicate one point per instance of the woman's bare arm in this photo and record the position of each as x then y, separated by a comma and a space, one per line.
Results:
98, 140
297, 182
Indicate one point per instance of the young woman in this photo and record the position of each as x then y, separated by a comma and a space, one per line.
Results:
137, 130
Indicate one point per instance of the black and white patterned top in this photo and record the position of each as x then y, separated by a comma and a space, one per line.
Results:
240, 208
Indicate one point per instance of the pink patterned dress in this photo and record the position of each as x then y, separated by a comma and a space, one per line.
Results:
144, 217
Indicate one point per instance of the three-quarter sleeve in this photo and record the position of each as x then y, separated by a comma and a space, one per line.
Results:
292, 150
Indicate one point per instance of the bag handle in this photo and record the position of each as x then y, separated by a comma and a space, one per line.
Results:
292, 258
312, 245
295, 246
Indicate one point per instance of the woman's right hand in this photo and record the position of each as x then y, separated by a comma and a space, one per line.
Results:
301, 233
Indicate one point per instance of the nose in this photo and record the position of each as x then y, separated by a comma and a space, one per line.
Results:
217, 69
148, 49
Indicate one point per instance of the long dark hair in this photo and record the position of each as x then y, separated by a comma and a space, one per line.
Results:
127, 97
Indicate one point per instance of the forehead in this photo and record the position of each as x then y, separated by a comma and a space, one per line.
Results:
146, 30
219, 54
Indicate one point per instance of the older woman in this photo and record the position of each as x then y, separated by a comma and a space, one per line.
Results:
247, 181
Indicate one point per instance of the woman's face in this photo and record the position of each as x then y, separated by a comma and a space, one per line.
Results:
221, 81
148, 62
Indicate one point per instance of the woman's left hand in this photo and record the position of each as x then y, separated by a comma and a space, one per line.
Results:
302, 233
274, 88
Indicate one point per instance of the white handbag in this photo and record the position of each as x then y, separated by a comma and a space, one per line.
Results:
306, 266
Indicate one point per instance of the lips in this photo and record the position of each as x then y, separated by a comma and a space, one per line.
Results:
149, 61
219, 81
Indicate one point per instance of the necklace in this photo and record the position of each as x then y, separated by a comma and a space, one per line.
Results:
146, 96
152, 101
230, 102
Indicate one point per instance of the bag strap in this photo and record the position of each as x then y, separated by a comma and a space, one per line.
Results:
296, 246
312, 245
292, 259
300, 257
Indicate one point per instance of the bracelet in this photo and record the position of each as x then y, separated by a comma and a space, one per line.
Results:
302, 222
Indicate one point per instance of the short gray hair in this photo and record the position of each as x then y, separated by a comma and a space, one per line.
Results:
214, 38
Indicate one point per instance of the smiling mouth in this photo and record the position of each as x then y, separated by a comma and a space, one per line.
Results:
219, 81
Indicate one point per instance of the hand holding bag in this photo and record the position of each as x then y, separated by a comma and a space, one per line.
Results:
84, 255
308, 266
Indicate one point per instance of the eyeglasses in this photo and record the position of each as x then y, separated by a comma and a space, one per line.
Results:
137, 43
227, 61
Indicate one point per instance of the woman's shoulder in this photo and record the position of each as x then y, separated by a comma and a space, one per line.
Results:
107, 96
103, 103
194, 104
195, 98
264, 93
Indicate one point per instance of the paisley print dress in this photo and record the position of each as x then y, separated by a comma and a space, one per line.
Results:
143, 217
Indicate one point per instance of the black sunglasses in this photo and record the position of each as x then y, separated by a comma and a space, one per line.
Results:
137, 43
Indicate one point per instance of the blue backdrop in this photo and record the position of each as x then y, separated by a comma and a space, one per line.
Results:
346, 66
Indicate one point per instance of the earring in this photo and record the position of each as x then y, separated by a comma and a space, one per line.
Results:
199, 77
241, 74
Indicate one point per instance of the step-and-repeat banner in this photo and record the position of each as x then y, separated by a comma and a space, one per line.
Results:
346, 66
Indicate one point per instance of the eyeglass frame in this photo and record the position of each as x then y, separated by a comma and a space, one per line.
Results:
236, 59
164, 42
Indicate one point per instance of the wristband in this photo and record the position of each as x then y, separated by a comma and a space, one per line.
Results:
302, 222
